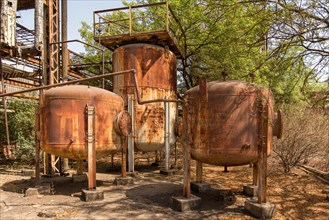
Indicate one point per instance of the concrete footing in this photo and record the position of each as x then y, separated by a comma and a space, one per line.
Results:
123, 181
92, 195
185, 204
250, 190
168, 172
78, 178
28, 172
263, 210
39, 190
200, 187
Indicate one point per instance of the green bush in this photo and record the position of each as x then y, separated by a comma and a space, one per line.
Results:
21, 122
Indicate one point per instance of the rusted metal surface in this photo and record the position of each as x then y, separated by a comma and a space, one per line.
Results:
226, 132
37, 147
90, 117
186, 152
198, 172
123, 123
64, 121
262, 150
156, 76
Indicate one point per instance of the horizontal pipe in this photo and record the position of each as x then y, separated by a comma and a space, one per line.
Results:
133, 71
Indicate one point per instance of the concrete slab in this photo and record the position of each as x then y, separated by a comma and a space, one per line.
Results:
182, 204
92, 195
40, 190
123, 181
250, 190
78, 178
263, 210
200, 187
169, 172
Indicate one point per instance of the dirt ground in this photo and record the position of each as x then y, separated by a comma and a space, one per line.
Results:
296, 195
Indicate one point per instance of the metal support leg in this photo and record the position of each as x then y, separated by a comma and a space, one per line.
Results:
91, 147
167, 135
37, 148
187, 156
124, 158
254, 174
198, 172
262, 154
79, 167
131, 159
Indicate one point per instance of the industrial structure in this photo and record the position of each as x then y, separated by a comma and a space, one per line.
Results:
227, 123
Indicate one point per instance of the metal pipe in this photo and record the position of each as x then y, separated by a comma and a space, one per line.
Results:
65, 58
90, 112
167, 134
187, 154
38, 24
131, 161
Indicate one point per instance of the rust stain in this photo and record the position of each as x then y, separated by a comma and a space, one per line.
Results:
225, 132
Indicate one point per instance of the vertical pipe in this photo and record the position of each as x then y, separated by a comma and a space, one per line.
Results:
167, 16
124, 157
198, 172
37, 147
131, 161
187, 155
4, 100
65, 59
91, 147
103, 67
38, 24
167, 134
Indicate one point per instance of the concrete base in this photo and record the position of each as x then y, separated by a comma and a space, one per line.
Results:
182, 204
40, 190
263, 211
123, 181
78, 178
250, 190
28, 172
169, 172
92, 195
200, 187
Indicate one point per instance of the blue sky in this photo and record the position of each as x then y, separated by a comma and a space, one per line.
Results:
78, 11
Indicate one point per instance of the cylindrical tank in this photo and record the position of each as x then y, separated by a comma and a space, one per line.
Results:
157, 79
64, 124
224, 122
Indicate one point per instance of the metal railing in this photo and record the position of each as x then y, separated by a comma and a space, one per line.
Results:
157, 17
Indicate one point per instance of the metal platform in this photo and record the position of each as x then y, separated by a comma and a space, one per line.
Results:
152, 24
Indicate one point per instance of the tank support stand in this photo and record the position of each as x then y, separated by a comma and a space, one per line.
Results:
199, 186
252, 189
187, 201
91, 194
261, 208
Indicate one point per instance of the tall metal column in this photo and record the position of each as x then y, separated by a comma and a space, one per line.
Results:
90, 112
131, 160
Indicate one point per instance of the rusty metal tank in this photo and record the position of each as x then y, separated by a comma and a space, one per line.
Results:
157, 78
64, 124
224, 122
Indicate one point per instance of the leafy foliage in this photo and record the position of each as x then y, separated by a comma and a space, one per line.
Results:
21, 122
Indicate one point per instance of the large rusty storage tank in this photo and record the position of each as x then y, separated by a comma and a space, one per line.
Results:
63, 121
224, 122
156, 74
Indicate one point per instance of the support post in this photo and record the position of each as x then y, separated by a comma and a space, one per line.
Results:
124, 158
90, 110
79, 167
131, 160
254, 174
167, 136
262, 153
198, 172
37, 147
187, 155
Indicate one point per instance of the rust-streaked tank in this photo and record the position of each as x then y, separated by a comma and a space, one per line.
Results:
156, 74
223, 122
63, 117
